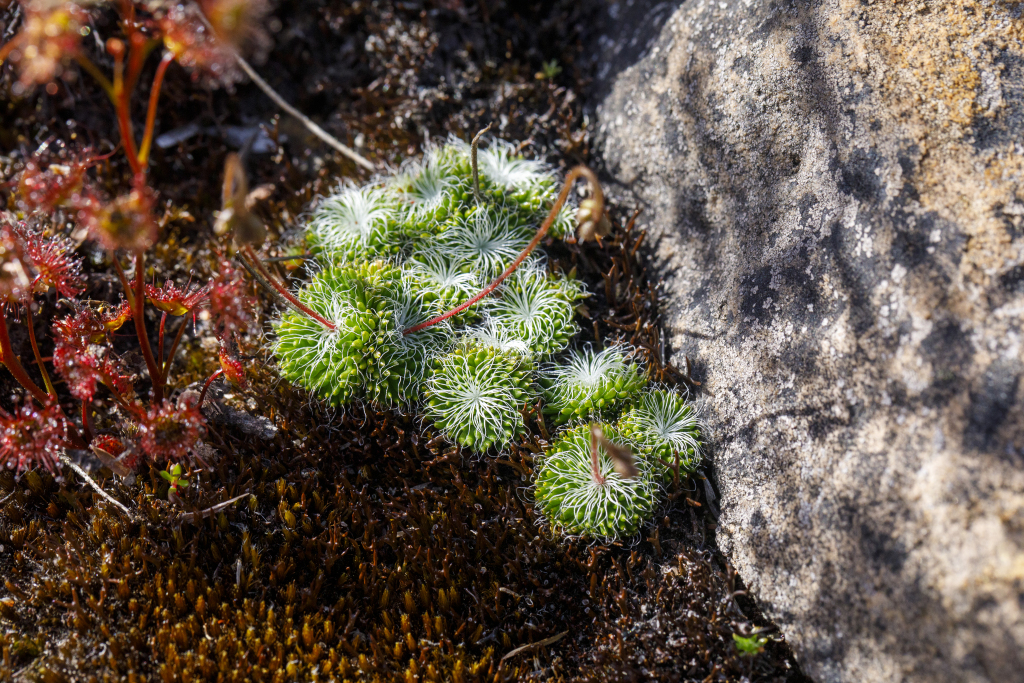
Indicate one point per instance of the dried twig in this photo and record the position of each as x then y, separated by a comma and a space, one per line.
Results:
96, 487
534, 646
305, 120
202, 514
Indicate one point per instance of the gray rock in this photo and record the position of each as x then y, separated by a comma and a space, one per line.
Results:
834, 195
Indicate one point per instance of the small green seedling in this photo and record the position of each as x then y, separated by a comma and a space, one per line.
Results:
549, 70
174, 478
749, 645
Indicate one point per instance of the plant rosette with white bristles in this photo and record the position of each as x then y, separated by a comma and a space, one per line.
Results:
366, 354
357, 223
572, 500
410, 262
475, 394
590, 385
664, 425
537, 308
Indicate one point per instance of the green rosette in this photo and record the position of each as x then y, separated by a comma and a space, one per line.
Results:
573, 502
589, 385
475, 393
663, 424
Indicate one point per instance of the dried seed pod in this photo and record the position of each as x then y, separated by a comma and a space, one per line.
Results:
665, 425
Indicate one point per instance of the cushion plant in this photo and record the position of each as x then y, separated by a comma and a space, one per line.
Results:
431, 293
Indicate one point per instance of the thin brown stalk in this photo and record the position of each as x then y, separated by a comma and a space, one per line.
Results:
595, 468
202, 514
96, 487
305, 120
473, 150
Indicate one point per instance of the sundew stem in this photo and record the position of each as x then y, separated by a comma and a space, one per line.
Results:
570, 178
256, 267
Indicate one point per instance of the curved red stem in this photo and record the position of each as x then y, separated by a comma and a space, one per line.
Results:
261, 270
570, 178
202, 394
154, 97
14, 365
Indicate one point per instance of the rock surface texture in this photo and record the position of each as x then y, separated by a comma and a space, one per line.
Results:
834, 193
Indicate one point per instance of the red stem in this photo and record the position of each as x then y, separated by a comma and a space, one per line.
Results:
86, 427
14, 365
160, 337
138, 310
154, 96
258, 266
124, 118
30, 323
541, 232
202, 394
174, 348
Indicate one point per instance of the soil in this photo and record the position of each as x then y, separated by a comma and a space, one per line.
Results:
364, 547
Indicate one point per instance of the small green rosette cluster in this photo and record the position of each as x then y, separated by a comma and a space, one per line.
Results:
590, 385
573, 502
404, 250
666, 426
366, 355
474, 394
537, 308
657, 426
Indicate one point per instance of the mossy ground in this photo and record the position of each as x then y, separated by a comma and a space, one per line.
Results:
365, 548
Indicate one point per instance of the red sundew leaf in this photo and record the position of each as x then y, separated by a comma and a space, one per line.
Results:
49, 40
176, 300
83, 358
120, 458
31, 436
52, 262
233, 368
44, 188
15, 267
231, 305
210, 55
113, 319
168, 431
127, 222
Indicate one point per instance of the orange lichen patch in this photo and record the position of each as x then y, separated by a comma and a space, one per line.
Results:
935, 69
930, 58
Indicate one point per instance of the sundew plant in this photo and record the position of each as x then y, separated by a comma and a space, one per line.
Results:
429, 294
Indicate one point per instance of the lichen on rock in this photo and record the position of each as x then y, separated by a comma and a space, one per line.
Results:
834, 191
